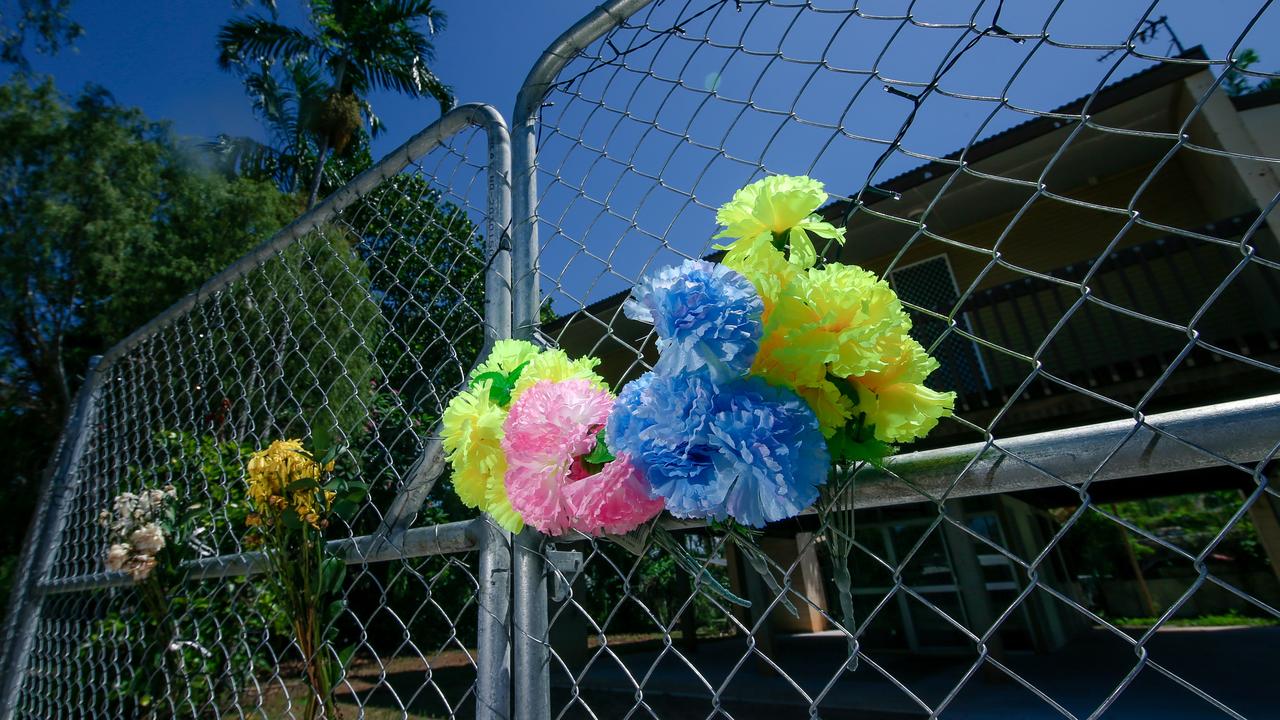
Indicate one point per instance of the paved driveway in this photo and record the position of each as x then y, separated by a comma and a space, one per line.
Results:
1236, 665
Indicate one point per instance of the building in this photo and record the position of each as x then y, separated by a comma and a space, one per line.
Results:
998, 265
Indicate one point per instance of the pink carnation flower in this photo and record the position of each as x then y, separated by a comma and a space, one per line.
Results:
550, 426
614, 501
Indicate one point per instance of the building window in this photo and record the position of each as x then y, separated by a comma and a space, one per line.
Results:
930, 284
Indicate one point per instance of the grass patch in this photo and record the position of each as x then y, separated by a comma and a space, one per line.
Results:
1231, 619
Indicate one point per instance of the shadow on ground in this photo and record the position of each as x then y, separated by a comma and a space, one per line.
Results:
647, 679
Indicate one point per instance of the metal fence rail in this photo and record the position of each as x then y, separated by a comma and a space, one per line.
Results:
1075, 210
367, 312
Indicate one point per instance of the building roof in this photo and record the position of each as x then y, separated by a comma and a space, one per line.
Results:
1108, 97
1185, 65
1257, 99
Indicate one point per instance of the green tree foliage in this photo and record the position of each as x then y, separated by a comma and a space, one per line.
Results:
1237, 83
45, 24
294, 342
105, 219
1094, 549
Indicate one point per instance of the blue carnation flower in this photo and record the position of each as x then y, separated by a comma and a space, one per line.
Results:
661, 421
771, 450
706, 316
744, 449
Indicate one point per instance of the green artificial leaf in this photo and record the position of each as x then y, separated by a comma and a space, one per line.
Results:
334, 610
345, 655
500, 385
492, 376
600, 454
333, 571
514, 376
321, 440
303, 484
844, 448
330, 454
345, 509
291, 520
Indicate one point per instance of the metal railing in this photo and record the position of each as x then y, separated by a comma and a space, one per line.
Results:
1121, 366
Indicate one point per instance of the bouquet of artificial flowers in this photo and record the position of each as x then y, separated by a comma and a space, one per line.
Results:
775, 374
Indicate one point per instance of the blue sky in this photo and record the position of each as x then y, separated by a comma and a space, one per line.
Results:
691, 109
160, 55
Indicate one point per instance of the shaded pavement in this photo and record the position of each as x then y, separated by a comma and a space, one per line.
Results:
1234, 665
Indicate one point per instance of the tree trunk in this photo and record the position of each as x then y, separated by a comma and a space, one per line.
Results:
319, 174
324, 142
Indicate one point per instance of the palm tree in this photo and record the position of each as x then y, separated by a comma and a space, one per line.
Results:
288, 103
360, 45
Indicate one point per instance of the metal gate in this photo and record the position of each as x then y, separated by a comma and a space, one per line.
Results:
1107, 225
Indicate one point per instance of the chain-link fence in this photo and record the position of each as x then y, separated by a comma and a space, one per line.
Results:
1073, 202
365, 315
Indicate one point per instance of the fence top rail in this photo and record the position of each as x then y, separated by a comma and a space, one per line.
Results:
447, 539
435, 134
565, 48
1227, 434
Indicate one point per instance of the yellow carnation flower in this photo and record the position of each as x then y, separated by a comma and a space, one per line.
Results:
471, 436
795, 347
779, 208
860, 311
896, 400
505, 356
764, 265
832, 408
553, 364
498, 505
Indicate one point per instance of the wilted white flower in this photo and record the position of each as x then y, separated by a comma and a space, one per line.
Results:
148, 539
135, 534
116, 556
140, 567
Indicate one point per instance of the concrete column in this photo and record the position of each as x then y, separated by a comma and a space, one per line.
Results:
1227, 186
808, 576
972, 585
1263, 516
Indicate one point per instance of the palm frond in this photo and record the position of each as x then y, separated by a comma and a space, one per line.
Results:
255, 40
442, 93
239, 156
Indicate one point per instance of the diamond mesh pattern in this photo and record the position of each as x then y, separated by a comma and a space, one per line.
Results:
1108, 228
368, 323
1097, 278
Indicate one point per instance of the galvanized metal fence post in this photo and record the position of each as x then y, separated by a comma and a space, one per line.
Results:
532, 671
44, 538
493, 642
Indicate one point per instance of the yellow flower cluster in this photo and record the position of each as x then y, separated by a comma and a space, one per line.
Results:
472, 423
773, 212
836, 334
273, 471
